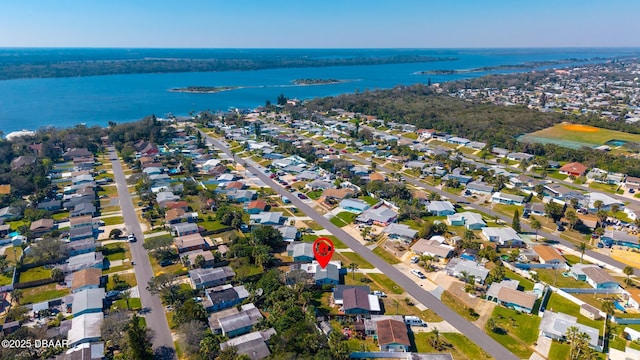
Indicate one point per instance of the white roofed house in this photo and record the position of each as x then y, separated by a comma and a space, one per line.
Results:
267, 218
480, 188
607, 201
400, 232
457, 267
380, 216
470, 220
509, 199
554, 325
253, 344
505, 236
441, 208
204, 278
432, 247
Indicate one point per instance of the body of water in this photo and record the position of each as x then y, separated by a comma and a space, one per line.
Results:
62, 102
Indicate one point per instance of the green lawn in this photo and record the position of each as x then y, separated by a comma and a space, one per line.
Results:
315, 195
385, 255
556, 175
134, 304
557, 303
369, 200
452, 302
42, 293
517, 331
128, 278
346, 216
524, 283
387, 284
336, 243
573, 259
603, 187
60, 216
212, 225
555, 278
560, 351
460, 346
37, 273
115, 251
413, 136
507, 209
5, 278
353, 257
113, 220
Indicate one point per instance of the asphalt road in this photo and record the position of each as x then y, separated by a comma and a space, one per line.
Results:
153, 310
475, 334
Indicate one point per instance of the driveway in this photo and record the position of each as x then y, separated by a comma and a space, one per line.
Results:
154, 314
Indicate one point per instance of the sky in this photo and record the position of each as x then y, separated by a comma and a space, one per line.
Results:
319, 24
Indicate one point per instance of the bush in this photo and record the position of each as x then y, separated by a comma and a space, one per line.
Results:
115, 234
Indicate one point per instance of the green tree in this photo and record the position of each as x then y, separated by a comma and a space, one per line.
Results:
536, 225
57, 275
126, 296
602, 217
554, 210
339, 348
598, 204
628, 270
353, 267
115, 233
139, 339
515, 223
200, 261
572, 217
582, 247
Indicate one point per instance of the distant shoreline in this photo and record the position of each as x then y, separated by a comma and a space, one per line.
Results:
525, 65
204, 89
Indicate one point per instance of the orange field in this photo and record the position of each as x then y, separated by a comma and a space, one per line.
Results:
580, 128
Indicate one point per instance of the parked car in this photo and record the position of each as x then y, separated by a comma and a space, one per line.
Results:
131, 238
379, 293
302, 196
166, 262
418, 274
414, 321
415, 259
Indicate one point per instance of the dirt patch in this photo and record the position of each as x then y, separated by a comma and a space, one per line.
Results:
580, 128
626, 256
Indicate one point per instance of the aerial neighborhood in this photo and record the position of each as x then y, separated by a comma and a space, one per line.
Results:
201, 228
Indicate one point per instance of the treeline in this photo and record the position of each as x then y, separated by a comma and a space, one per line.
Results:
494, 124
124, 135
138, 66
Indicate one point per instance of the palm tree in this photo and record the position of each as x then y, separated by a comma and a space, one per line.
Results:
185, 261
126, 295
582, 247
628, 270
464, 276
365, 232
602, 216
536, 225
353, 267
598, 204
17, 295
426, 261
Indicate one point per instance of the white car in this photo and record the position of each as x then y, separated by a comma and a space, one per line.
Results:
418, 273
415, 259
131, 238
379, 293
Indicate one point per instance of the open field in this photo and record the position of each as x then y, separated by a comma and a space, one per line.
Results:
459, 346
575, 135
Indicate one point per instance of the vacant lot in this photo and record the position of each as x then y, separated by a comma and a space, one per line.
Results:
574, 135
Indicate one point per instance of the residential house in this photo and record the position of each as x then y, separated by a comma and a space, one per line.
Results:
85, 351
85, 328
205, 278
519, 156
9, 213
392, 336
354, 205
90, 278
240, 323
458, 140
267, 218
561, 193
207, 255
80, 246
400, 232
174, 216
225, 296
184, 229
359, 301
88, 301
319, 185
253, 345
499, 152
337, 194
381, 215
84, 261
256, 206
314, 273
590, 312
441, 208
476, 145
81, 221
457, 267
606, 200
506, 293
632, 182
554, 326
470, 220
599, 279
50, 205
300, 251
536, 209
41, 226
573, 169
548, 255
509, 199
504, 236
289, 233
191, 242
433, 248
337, 297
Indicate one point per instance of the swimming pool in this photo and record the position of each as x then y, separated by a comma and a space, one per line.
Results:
619, 307
615, 142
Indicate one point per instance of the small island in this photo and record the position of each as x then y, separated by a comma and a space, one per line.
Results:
204, 89
317, 81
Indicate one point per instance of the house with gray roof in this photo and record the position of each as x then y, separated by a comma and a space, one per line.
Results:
504, 236
381, 215
300, 251
183, 229
88, 301
598, 278
468, 219
554, 325
204, 278
240, 323
85, 328
84, 261
441, 208
457, 267
354, 205
289, 233
400, 232
508, 199
254, 344
267, 218
224, 296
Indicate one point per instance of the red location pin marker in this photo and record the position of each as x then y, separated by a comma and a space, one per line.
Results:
323, 251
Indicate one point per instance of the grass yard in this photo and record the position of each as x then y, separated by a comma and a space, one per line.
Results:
555, 278
113, 220
12, 253
461, 347
454, 304
36, 273
515, 331
386, 284
116, 251
109, 190
351, 257
312, 225
574, 259
315, 195
346, 216
5, 278
603, 187
336, 243
584, 134
524, 283
369, 200
385, 255
60, 216
413, 136
560, 351
128, 278
42, 293
507, 209
212, 225
134, 304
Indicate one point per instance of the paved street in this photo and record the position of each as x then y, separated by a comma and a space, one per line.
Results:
476, 335
154, 311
